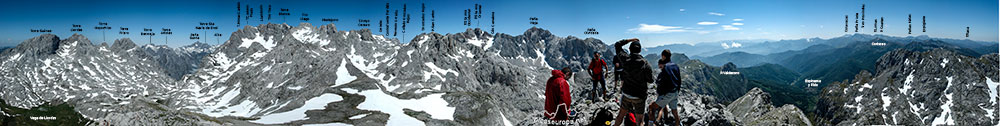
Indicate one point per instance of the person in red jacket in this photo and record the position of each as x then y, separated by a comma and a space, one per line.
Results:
596, 67
557, 97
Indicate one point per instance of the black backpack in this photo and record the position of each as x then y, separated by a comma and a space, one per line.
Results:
666, 80
602, 117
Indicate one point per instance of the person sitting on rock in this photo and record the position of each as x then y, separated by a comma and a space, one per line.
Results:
668, 84
636, 76
557, 96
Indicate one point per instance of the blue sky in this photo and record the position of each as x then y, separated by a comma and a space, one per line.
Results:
655, 22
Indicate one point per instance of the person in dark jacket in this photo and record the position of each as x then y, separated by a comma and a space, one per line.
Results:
596, 67
668, 84
636, 76
617, 63
557, 97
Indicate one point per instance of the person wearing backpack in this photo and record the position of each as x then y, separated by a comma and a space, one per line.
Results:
668, 84
597, 67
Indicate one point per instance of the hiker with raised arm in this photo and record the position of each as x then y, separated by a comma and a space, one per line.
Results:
636, 76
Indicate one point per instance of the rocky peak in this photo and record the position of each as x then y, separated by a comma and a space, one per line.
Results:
475, 32
678, 58
198, 44
472, 36
177, 62
932, 44
366, 35
40, 45
755, 108
936, 87
535, 32
729, 67
702, 78
79, 40
326, 29
575, 52
755, 101
122, 44
892, 58
250, 39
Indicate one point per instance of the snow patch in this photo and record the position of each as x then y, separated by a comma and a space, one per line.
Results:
433, 104
944, 62
484, 43
315, 103
489, 43
14, 57
267, 44
423, 39
306, 35
886, 101
993, 89
993, 96
946, 117
67, 50
266, 68
541, 57
866, 85
295, 87
465, 53
857, 107
358, 116
221, 106
858, 99
435, 70
505, 121
329, 124
906, 83
258, 55
343, 77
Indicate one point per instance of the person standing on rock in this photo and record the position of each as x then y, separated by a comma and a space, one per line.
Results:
597, 75
668, 84
636, 76
617, 61
557, 96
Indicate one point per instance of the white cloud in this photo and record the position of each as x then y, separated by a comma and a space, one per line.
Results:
716, 14
729, 27
654, 28
734, 45
737, 23
738, 19
682, 10
707, 23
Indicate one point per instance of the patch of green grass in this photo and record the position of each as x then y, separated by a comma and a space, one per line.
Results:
63, 113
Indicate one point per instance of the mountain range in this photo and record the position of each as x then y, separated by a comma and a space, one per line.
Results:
278, 74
